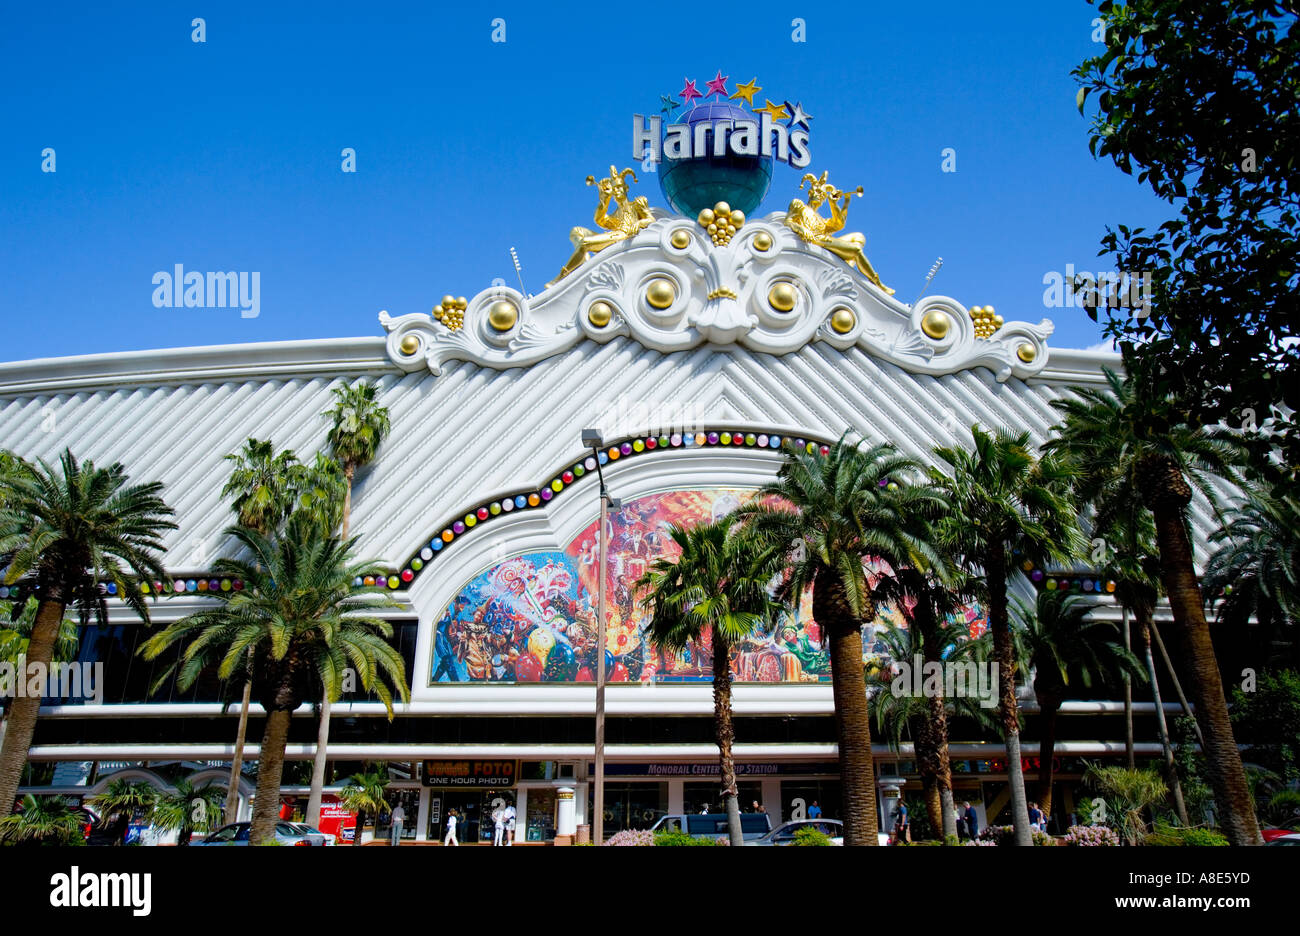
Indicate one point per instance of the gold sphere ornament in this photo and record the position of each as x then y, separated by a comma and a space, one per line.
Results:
448, 301
782, 297
661, 293
843, 320
680, 239
706, 217
762, 241
737, 218
935, 324
502, 315
599, 313
1027, 353
722, 209
986, 321
410, 344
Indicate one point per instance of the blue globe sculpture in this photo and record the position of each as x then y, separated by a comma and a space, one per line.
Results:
691, 185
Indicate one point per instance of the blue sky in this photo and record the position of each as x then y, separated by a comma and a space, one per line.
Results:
226, 155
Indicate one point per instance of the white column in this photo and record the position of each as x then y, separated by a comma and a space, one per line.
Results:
566, 822
422, 818
772, 800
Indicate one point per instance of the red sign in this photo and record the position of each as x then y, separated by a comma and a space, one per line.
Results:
334, 819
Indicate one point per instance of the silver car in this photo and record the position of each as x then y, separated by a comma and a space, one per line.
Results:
237, 834
785, 832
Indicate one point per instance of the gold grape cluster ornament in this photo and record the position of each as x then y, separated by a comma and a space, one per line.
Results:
986, 322
721, 222
451, 311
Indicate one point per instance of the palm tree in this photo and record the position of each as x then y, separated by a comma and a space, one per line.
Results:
359, 424
896, 711
364, 794
1002, 499
264, 487
15, 639
320, 487
1061, 643
839, 509
1132, 792
120, 800
299, 617
46, 820
1131, 448
1255, 571
188, 809
715, 588
71, 529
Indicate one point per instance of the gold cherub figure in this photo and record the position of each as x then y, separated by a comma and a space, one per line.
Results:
808, 223
625, 220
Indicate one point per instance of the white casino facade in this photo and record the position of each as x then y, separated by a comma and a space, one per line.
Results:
697, 343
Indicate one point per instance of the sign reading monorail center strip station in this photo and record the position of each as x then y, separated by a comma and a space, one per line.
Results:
711, 770
470, 773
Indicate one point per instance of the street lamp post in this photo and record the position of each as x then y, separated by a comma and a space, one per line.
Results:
592, 438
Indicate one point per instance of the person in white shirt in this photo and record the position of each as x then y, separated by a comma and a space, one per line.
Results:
451, 829
510, 824
498, 826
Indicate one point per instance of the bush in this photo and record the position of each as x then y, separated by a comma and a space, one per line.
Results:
1168, 835
1006, 835
679, 838
1091, 836
810, 836
631, 837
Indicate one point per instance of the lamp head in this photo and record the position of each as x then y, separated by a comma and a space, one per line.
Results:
591, 438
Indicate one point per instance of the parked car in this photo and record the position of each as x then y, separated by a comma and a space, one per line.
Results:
714, 825
98, 832
1291, 838
1270, 834
316, 835
784, 833
237, 834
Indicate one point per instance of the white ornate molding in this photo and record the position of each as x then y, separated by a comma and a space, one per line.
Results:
719, 296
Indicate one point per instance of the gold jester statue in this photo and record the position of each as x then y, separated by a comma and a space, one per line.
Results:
809, 224
624, 220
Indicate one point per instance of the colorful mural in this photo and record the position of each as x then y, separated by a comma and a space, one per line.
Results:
533, 618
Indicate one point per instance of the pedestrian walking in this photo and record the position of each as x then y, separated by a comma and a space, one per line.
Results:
498, 826
972, 820
451, 828
396, 819
902, 826
814, 811
510, 824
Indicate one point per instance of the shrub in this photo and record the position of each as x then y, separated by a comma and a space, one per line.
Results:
810, 836
632, 837
1168, 835
678, 838
1091, 836
998, 834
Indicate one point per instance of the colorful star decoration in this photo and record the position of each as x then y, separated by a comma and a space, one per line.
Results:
747, 91
689, 92
719, 84
798, 115
776, 110
669, 104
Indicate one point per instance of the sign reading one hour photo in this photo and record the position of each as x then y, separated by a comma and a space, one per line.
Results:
470, 773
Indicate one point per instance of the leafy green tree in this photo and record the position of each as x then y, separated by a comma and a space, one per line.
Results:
1200, 100
1003, 499
716, 588
363, 793
187, 809
1127, 450
358, 426
69, 529
1065, 647
45, 820
1255, 572
1132, 792
299, 617
1269, 721
839, 510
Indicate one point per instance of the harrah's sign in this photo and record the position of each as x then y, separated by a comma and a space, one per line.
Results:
744, 137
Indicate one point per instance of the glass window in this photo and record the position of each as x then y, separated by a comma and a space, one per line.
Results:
631, 805
539, 824
798, 797
695, 796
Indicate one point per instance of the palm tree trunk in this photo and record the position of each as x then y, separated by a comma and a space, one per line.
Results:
1171, 772
270, 769
726, 734
237, 762
323, 730
361, 824
21, 724
937, 725
852, 718
1049, 707
1008, 710
1223, 761
1128, 703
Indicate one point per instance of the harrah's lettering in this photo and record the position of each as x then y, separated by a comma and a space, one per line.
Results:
744, 137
